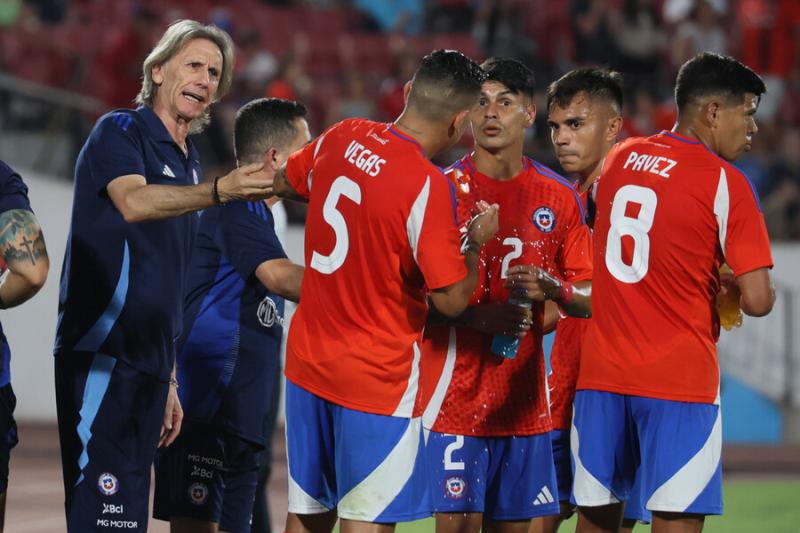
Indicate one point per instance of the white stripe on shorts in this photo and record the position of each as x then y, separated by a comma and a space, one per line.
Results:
586, 489
367, 500
300, 502
682, 489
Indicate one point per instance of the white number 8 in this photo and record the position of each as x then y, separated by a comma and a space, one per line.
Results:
341, 186
636, 228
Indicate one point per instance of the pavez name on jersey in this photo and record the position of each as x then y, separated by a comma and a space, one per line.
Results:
669, 212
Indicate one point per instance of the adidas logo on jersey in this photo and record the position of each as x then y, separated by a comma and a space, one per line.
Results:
168, 171
544, 497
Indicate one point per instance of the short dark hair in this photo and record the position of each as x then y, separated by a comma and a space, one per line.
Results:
511, 73
264, 123
446, 82
600, 83
708, 73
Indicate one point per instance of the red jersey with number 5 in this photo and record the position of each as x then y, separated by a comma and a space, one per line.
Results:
669, 212
380, 232
474, 391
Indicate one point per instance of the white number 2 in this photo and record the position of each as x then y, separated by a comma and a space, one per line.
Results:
510, 256
341, 186
449, 464
635, 227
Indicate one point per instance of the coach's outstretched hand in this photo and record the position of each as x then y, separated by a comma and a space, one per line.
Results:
485, 223
249, 182
173, 418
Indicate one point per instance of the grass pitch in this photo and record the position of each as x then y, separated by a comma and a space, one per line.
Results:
760, 505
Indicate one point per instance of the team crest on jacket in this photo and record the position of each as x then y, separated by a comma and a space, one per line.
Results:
544, 219
455, 487
198, 493
108, 484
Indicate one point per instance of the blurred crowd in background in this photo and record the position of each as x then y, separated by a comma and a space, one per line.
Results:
350, 58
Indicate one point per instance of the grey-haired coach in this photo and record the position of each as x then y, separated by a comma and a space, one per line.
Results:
137, 186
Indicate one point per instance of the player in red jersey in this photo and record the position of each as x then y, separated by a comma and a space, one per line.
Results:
380, 240
585, 118
670, 209
488, 449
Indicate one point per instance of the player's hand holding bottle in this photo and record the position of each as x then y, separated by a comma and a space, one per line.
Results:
730, 313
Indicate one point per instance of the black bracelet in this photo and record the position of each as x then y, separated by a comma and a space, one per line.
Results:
215, 191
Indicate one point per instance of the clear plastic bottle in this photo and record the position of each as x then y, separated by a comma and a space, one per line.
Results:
507, 345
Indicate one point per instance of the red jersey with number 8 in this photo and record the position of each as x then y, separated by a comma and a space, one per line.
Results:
669, 212
380, 232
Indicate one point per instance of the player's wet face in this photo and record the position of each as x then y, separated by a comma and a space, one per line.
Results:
188, 82
501, 117
736, 126
580, 132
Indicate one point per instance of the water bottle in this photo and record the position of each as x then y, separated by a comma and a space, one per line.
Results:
507, 345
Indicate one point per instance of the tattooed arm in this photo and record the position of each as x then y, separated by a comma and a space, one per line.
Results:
23, 250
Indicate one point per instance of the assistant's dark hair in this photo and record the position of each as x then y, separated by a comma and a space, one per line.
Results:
708, 73
599, 83
264, 123
445, 83
511, 73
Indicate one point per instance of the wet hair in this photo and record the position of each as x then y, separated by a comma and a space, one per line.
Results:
598, 83
511, 73
174, 39
708, 73
446, 83
264, 123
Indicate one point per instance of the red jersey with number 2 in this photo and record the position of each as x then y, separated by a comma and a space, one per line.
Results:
380, 232
473, 391
669, 211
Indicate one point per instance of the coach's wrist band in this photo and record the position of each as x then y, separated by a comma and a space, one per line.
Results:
215, 191
173, 381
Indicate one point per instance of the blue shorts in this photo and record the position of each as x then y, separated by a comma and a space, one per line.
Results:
505, 478
207, 474
634, 507
366, 466
674, 448
109, 421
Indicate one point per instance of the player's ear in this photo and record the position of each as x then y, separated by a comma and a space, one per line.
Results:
460, 120
530, 111
406, 91
712, 111
272, 159
614, 127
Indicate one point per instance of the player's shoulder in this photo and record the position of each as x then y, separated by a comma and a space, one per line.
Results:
557, 183
459, 174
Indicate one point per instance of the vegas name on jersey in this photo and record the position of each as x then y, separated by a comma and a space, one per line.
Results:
380, 232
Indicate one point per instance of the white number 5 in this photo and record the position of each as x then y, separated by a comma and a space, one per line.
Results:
341, 186
634, 227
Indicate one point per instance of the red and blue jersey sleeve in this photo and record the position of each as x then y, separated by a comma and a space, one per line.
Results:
746, 242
